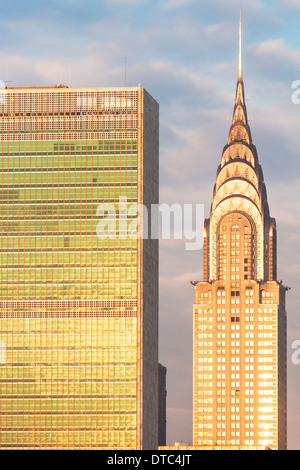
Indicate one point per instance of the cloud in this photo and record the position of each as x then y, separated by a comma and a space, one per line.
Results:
124, 2
292, 3
275, 57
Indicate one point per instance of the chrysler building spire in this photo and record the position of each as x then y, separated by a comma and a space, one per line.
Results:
240, 130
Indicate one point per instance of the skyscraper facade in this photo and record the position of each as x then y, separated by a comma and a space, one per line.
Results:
79, 280
239, 391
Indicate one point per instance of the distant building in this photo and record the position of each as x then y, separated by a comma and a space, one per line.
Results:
162, 405
78, 305
239, 312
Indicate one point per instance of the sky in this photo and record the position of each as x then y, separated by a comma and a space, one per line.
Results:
184, 52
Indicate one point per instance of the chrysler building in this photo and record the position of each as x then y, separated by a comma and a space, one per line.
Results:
239, 390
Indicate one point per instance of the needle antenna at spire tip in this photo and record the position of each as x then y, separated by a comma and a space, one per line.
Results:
240, 75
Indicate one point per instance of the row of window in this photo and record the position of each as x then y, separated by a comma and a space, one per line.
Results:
46, 113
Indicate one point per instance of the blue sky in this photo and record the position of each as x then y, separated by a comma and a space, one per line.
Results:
185, 54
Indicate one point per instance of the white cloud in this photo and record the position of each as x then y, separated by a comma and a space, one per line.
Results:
277, 48
124, 2
173, 4
292, 3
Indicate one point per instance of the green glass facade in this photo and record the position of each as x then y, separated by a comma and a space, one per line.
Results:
72, 302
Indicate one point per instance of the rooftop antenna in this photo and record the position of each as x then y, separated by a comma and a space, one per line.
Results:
55, 77
6, 81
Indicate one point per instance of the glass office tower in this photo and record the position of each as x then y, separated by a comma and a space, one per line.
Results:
79, 281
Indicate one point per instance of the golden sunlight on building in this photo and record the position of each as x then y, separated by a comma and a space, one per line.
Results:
78, 310
239, 396
239, 389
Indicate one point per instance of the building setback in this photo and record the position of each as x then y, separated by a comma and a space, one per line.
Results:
239, 391
78, 288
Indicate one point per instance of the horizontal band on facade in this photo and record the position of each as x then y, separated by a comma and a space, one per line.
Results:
65, 169
32, 315
83, 136
67, 303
